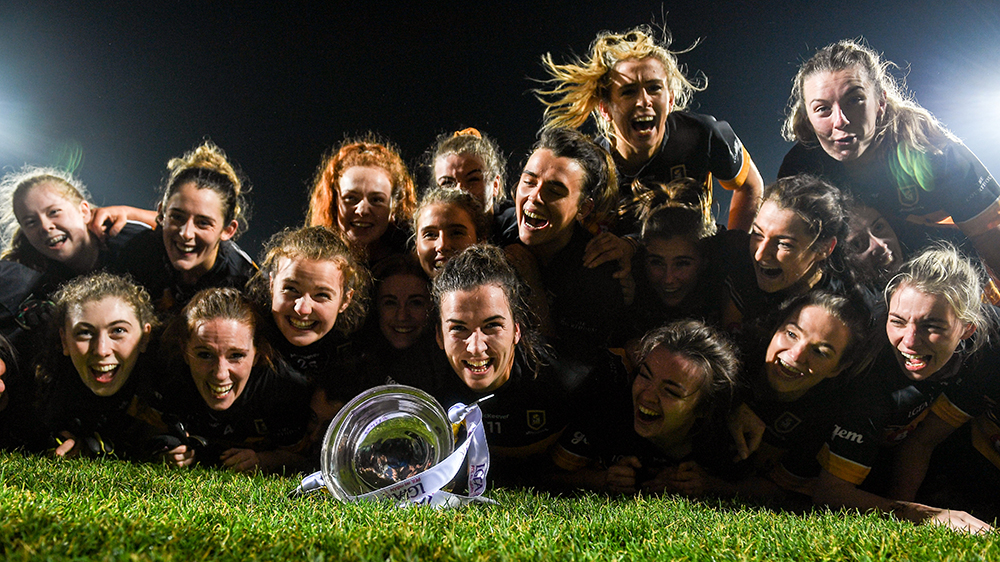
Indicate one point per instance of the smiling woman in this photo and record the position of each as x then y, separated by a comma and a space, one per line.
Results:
363, 189
226, 386
104, 324
201, 212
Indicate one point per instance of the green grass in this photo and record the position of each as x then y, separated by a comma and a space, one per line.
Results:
111, 510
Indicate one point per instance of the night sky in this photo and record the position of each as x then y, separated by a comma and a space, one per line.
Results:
124, 88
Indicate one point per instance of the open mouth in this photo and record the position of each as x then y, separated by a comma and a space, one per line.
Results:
769, 272
362, 224
646, 415
301, 324
56, 240
403, 329
480, 367
643, 124
185, 248
914, 362
220, 391
535, 221
104, 373
788, 371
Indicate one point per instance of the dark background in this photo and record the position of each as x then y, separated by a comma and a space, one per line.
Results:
119, 88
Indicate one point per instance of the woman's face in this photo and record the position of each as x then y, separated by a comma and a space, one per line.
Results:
781, 247
468, 173
672, 267
194, 226
875, 240
442, 232
364, 204
924, 331
220, 353
479, 336
54, 225
639, 100
844, 109
403, 304
805, 350
306, 298
666, 393
103, 339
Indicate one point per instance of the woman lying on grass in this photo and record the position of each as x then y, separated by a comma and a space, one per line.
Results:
661, 436
489, 337
238, 405
95, 389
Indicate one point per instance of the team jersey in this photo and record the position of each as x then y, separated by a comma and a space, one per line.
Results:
271, 412
118, 426
522, 419
586, 305
955, 190
810, 433
144, 257
694, 146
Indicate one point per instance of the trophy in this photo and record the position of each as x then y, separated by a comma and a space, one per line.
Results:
396, 442
383, 436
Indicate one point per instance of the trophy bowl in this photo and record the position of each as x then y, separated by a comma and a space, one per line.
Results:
384, 435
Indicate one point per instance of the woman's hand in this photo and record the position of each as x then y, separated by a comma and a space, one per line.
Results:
620, 477
240, 460
747, 430
179, 456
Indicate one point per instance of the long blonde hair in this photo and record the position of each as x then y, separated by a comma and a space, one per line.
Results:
579, 86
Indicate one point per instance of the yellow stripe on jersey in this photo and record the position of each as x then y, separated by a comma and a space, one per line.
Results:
741, 177
950, 413
842, 468
988, 219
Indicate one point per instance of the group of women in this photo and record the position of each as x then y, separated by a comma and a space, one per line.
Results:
818, 349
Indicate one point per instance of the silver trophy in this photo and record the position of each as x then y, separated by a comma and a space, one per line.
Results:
383, 436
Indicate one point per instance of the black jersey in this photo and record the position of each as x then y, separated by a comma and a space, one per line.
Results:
144, 257
271, 412
694, 146
119, 425
601, 431
525, 415
955, 189
586, 305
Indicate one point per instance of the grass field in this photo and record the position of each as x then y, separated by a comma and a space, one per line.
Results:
87, 510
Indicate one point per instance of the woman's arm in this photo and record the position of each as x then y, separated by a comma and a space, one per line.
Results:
914, 454
838, 493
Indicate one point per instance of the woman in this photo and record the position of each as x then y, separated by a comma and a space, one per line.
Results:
936, 359
657, 432
446, 221
796, 244
632, 87
681, 267
364, 190
242, 407
398, 344
470, 161
798, 380
856, 127
93, 391
199, 216
492, 347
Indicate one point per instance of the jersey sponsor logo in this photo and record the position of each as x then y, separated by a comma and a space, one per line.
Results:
536, 419
841, 433
786, 422
578, 437
909, 195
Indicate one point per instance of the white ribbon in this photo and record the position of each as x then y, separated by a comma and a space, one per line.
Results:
425, 488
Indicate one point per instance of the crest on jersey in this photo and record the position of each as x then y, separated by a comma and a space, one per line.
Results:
536, 419
786, 422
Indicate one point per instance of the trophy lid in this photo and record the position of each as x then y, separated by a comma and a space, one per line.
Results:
384, 435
